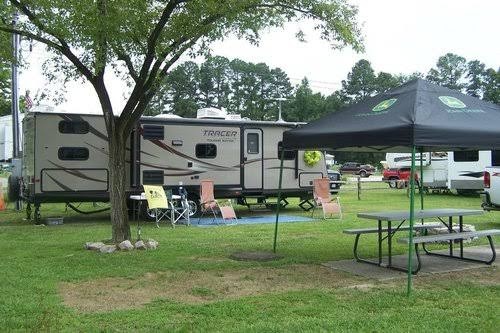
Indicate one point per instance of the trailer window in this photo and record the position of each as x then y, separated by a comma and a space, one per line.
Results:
289, 154
206, 150
252, 143
152, 132
73, 153
73, 127
466, 156
495, 158
152, 177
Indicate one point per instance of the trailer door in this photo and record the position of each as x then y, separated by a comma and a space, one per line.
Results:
252, 159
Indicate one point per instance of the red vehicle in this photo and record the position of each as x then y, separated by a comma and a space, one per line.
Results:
392, 175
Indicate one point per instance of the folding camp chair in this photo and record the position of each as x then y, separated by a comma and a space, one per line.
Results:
158, 203
207, 199
179, 206
322, 197
227, 211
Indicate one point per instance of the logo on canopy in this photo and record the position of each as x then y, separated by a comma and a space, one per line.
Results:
452, 102
384, 105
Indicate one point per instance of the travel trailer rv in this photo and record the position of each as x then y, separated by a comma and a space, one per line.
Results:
460, 170
66, 158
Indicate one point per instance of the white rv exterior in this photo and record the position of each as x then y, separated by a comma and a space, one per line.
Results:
435, 167
6, 138
66, 157
461, 171
466, 169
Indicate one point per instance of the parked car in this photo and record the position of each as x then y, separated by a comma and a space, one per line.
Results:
392, 175
363, 170
491, 194
335, 178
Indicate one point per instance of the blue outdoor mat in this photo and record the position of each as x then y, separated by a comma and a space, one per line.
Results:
209, 222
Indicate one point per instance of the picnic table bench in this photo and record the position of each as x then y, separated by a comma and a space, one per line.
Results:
445, 217
451, 237
390, 233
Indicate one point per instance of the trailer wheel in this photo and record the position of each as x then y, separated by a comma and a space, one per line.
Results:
146, 213
194, 205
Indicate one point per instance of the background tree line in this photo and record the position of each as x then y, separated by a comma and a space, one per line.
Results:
251, 90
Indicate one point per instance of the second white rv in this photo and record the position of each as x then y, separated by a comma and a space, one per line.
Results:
460, 170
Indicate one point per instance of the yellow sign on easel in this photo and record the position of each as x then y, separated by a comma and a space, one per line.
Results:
156, 196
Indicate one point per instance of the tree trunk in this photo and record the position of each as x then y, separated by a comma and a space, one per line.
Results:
118, 185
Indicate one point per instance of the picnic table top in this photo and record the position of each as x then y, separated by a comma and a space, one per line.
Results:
396, 215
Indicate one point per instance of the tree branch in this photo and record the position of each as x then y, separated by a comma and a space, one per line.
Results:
128, 62
63, 48
136, 113
101, 50
150, 55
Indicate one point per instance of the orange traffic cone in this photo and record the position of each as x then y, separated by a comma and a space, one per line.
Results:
2, 202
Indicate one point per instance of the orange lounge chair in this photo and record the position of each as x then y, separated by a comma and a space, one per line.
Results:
227, 211
322, 197
207, 199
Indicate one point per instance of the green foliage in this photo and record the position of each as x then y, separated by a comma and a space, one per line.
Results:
5, 77
492, 85
240, 87
306, 105
476, 76
449, 72
361, 81
370, 158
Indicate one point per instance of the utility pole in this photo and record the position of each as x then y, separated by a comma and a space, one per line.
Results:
16, 157
14, 91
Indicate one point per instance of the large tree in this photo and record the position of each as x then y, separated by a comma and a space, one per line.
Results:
5, 74
492, 85
476, 77
449, 72
361, 81
142, 40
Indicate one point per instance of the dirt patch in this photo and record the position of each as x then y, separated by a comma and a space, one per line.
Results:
198, 286
485, 276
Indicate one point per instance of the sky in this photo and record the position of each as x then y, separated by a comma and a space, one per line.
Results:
399, 37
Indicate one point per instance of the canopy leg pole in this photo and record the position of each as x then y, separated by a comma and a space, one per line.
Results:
279, 200
412, 222
421, 181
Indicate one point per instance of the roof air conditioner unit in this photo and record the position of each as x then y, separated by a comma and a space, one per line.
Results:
211, 113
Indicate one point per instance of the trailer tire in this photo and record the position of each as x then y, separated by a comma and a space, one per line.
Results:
13, 188
146, 213
194, 205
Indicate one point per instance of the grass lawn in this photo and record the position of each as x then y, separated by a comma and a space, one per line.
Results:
49, 283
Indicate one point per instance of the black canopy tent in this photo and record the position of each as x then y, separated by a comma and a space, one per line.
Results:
417, 116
